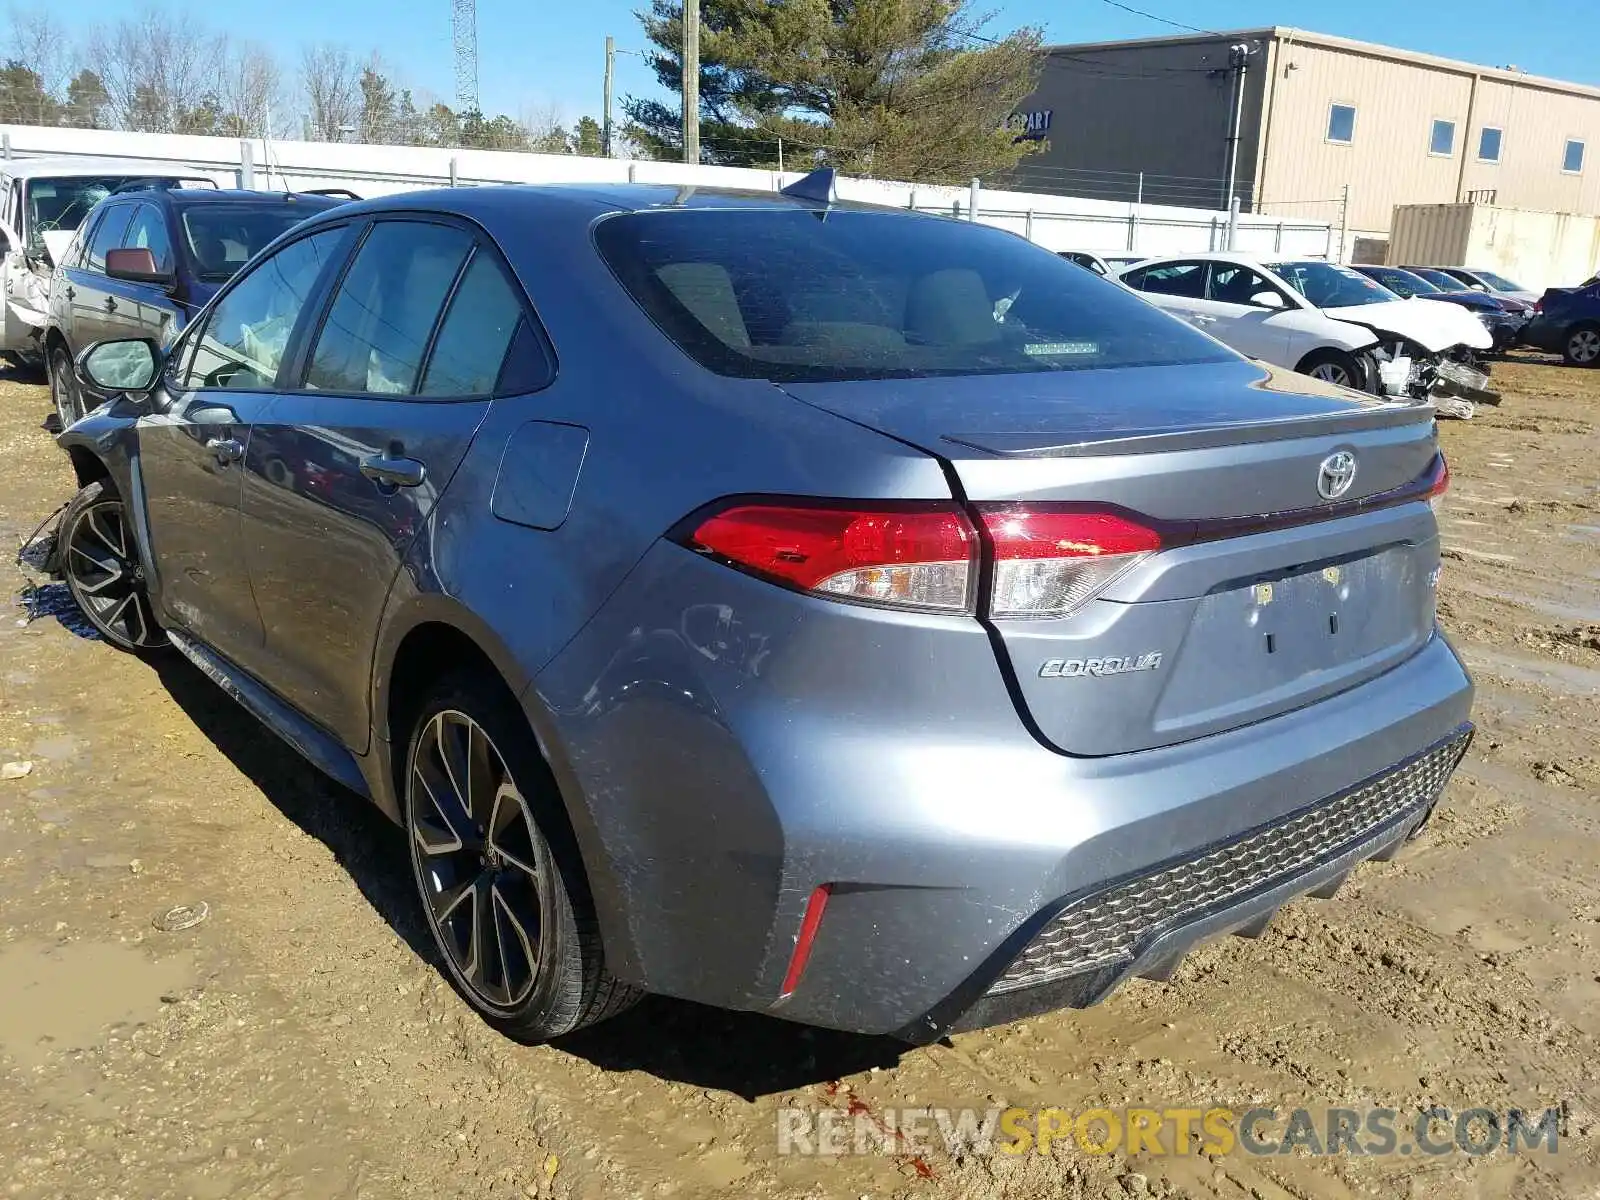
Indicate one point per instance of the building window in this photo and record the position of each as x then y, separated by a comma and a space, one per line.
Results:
1443, 139
1489, 144
1572, 160
1342, 123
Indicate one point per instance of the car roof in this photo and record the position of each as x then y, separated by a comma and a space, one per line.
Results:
487, 204
61, 167
191, 197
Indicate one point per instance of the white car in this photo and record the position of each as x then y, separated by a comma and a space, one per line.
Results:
1321, 319
42, 202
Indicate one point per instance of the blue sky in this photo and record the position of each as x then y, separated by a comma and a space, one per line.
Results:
541, 54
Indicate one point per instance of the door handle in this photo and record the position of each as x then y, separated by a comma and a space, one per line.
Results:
111, 304
71, 294
227, 450
392, 469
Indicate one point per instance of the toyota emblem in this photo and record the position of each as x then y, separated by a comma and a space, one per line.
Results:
1337, 473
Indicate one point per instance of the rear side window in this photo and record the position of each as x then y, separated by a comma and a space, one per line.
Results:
477, 330
148, 231
1173, 279
786, 295
108, 235
247, 333
377, 330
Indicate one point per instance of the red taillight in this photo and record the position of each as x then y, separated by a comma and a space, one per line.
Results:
1538, 305
1439, 484
910, 556
1049, 563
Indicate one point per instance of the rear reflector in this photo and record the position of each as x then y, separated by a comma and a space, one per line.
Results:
1050, 563
809, 924
921, 556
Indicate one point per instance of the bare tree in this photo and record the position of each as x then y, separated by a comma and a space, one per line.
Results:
38, 42
332, 80
249, 91
159, 72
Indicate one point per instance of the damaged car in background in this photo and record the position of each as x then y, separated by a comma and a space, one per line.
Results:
42, 203
1329, 322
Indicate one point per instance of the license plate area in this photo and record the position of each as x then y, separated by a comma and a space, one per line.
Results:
1277, 641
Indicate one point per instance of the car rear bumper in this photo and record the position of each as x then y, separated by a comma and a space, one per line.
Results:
1544, 334
726, 748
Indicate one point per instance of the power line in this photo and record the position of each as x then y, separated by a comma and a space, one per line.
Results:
1139, 12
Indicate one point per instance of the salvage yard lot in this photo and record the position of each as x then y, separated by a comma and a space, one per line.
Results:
299, 1042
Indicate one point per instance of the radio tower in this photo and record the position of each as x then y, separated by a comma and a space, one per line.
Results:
464, 17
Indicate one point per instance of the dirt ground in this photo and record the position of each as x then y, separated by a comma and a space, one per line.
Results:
299, 1042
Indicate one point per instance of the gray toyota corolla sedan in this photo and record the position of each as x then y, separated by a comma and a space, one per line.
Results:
865, 618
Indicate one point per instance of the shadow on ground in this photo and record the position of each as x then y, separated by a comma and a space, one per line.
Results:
744, 1053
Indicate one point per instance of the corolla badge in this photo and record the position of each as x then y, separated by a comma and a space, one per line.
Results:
1073, 668
1337, 473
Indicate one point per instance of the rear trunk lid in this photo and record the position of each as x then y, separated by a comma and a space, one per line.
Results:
1266, 596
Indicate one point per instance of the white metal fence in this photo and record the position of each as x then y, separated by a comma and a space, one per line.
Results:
1055, 222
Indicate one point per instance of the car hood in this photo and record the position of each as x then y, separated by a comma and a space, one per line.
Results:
1437, 327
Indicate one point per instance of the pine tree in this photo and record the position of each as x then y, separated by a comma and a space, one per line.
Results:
903, 89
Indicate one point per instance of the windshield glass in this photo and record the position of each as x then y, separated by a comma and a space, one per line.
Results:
1499, 282
1445, 283
1330, 286
1401, 283
223, 237
803, 296
63, 203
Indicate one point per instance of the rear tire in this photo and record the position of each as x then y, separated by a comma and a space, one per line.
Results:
502, 889
1582, 346
64, 391
1338, 367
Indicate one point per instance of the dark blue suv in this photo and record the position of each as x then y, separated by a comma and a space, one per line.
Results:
146, 260
1566, 321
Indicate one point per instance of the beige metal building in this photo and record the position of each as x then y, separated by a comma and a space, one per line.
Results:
1315, 114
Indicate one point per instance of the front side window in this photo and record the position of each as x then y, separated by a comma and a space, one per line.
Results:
377, 331
477, 330
1443, 138
1499, 282
1233, 284
108, 233
148, 231
1489, 139
778, 294
1342, 123
1326, 285
244, 341
1572, 157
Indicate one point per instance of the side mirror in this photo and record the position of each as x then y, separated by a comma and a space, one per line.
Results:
136, 266
1267, 300
123, 366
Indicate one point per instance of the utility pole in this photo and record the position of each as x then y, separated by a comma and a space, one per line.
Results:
1344, 223
691, 81
605, 125
1239, 63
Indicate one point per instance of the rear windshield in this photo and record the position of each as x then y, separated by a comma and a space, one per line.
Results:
223, 237
803, 296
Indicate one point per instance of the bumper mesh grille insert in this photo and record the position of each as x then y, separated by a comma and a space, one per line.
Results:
1112, 927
